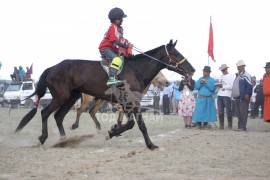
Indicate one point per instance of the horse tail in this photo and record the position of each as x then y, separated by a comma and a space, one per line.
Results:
42, 85
40, 92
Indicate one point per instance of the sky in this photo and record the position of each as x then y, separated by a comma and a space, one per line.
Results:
46, 32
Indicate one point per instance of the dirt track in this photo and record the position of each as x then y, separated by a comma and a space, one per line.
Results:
183, 154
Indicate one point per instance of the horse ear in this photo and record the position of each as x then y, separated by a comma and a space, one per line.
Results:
171, 41
174, 44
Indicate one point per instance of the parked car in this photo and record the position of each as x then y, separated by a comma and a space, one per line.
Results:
17, 91
1, 97
148, 100
3, 87
46, 99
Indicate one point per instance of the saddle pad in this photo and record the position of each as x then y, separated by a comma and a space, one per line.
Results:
105, 64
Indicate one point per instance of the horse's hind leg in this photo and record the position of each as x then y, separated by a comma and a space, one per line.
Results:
87, 99
63, 110
99, 104
45, 113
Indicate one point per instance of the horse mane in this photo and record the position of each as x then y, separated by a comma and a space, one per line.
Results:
141, 55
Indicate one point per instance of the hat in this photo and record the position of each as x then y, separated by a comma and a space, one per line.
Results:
223, 66
240, 63
207, 69
267, 65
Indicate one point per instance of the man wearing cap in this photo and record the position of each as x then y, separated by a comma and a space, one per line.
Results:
205, 110
224, 94
15, 75
241, 92
266, 93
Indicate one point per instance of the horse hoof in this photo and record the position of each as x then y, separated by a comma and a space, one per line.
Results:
74, 127
107, 137
98, 131
98, 128
41, 139
153, 147
62, 138
114, 127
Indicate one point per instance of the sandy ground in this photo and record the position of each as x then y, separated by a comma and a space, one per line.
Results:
183, 153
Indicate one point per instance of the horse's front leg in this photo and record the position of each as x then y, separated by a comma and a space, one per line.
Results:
115, 131
119, 121
142, 127
120, 117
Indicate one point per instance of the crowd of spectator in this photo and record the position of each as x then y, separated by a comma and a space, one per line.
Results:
232, 95
19, 74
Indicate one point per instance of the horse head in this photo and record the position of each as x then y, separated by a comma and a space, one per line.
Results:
177, 62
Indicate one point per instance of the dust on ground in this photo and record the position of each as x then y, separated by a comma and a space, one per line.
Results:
183, 153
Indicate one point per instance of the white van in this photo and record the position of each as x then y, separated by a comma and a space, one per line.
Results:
148, 100
17, 91
46, 99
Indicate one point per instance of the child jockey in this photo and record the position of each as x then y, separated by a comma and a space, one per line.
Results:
109, 46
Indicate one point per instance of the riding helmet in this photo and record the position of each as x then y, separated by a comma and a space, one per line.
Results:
116, 13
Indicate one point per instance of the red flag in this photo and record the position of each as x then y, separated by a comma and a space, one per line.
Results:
31, 69
211, 43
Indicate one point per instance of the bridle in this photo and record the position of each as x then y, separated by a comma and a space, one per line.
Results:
172, 61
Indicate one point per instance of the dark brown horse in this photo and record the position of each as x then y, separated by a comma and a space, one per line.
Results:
68, 79
87, 100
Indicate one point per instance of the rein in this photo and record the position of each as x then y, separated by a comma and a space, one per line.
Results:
172, 60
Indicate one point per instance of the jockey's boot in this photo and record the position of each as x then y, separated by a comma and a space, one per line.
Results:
112, 81
114, 67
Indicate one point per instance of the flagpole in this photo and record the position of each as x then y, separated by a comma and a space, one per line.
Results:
208, 54
210, 43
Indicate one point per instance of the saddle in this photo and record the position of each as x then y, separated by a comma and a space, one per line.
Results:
105, 64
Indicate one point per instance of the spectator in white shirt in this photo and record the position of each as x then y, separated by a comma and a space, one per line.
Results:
156, 96
166, 98
224, 100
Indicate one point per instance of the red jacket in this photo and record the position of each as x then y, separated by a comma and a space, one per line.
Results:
113, 34
266, 85
126, 52
266, 93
